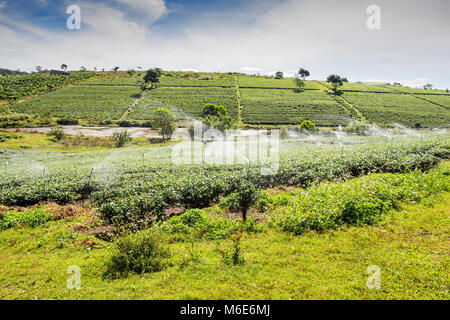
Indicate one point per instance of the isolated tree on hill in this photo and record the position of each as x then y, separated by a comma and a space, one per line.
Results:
152, 76
428, 86
64, 67
82, 68
336, 82
38, 69
116, 68
300, 78
279, 75
164, 120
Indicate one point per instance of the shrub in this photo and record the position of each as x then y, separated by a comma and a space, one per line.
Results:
307, 126
247, 195
120, 138
57, 133
63, 122
139, 253
29, 218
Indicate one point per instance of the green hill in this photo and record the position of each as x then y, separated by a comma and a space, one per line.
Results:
249, 99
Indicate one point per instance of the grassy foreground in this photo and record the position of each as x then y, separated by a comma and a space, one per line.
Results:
409, 245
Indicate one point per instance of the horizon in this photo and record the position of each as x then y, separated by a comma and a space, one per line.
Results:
252, 37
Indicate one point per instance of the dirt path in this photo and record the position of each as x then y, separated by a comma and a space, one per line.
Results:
135, 102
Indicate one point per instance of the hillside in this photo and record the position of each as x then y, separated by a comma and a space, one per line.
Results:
254, 100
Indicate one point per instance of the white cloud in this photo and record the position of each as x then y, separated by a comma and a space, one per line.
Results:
324, 37
2, 4
153, 9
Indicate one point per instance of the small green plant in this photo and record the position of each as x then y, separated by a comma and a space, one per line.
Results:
57, 133
247, 195
29, 218
307, 126
120, 138
139, 253
233, 256
284, 133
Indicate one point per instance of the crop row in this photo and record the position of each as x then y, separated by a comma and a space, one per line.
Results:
86, 102
123, 183
286, 106
184, 102
15, 87
398, 108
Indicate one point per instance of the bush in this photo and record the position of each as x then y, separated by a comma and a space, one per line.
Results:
197, 221
307, 126
29, 218
67, 122
120, 138
359, 201
139, 253
57, 133
284, 133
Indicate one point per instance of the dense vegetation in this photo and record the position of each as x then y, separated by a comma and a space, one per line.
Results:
274, 106
85, 102
185, 103
399, 108
18, 86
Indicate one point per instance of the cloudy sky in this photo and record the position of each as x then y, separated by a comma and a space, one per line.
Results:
254, 36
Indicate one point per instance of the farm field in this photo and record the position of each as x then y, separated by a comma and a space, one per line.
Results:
388, 206
84, 102
15, 87
185, 103
415, 90
272, 106
263, 82
353, 86
443, 100
398, 108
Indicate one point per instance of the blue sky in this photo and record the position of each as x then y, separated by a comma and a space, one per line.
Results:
255, 36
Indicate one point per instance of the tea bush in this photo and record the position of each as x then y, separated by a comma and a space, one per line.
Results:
359, 201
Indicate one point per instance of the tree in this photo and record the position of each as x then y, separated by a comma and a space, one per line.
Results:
152, 76
308, 126
38, 69
116, 68
300, 78
216, 117
64, 67
428, 86
279, 75
336, 82
164, 120
57, 133
83, 68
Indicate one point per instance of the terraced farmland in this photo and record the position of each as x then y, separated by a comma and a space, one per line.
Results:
271, 106
112, 80
85, 102
184, 102
262, 82
405, 109
414, 90
357, 86
443, 100
218, 81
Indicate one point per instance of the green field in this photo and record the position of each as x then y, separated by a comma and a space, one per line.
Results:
184, 102
398, 108
272, 106
443, 100
245, 81
84, 102
349, 86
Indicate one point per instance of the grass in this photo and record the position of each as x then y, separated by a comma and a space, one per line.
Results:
42, 142
409, 245
245, 81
